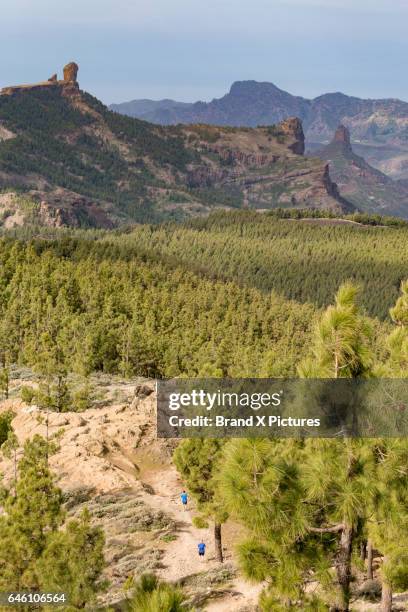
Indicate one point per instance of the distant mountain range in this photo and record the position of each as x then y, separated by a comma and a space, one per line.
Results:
379, 128
366, 187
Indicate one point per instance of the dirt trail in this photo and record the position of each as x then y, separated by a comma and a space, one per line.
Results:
181, 557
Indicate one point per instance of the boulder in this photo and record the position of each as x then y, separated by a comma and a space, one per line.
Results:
370, 589
143, 390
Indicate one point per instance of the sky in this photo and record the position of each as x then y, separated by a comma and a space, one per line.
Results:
192, 50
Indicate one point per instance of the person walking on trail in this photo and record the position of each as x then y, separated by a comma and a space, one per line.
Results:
201, 550
184, 499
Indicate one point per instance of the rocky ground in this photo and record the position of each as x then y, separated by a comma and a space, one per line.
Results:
110, 461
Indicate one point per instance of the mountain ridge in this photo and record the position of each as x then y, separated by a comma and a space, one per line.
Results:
381, 122
77, 163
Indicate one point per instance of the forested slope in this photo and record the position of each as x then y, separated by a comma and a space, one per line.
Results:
82, 305
233, 295
303, 261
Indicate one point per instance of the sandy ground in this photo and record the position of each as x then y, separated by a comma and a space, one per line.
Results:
114, 448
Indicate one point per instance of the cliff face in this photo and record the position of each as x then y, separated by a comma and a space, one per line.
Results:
366, 187
96, 168
266, 166
342, 135
57, 208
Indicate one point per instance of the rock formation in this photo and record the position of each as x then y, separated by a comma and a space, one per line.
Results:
342, 135
69, 83
364, 186
71, 72
293, 127
70, 87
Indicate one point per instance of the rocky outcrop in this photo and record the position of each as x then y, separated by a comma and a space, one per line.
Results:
366, 187
342, 136
15, 89
71, 72
52, 208
70, 87
333, 190
69, 82
5, 134
62, 208
293, 128
340, 145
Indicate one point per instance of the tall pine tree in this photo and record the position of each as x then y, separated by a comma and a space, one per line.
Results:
197, 460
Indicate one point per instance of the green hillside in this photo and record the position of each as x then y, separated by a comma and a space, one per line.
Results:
56, 140
85, 305
235, 294
303, 260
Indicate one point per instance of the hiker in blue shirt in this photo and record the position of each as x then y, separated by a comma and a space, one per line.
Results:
184, 499
201, 550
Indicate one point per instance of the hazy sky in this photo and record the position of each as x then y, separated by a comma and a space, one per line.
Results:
195, 49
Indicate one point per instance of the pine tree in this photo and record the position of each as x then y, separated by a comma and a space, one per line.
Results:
34, 512
152, 595
72, 562
50, 364
389, 525
5, 380
35, 553
303, 502
5, 425
197, 460
396, 365
342, 340
399, 312
342, 350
